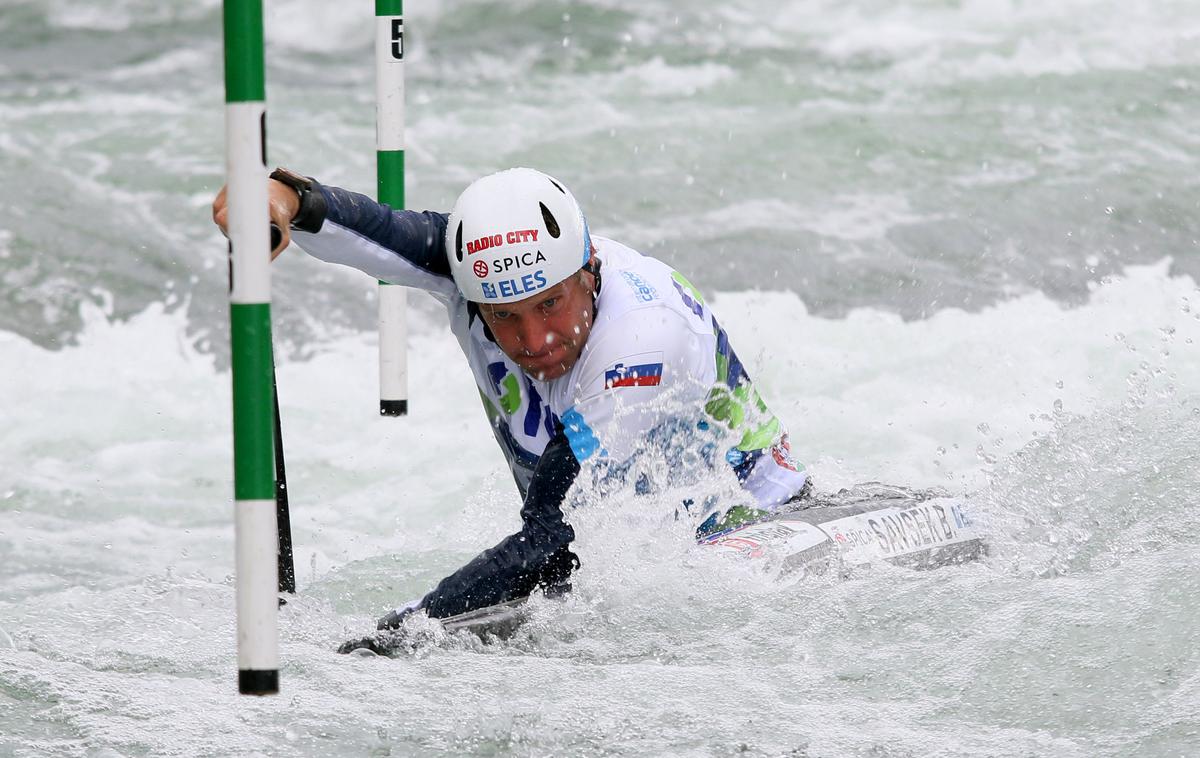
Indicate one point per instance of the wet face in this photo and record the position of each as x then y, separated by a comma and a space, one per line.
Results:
545, 333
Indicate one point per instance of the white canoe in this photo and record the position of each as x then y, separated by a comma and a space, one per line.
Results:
867, 523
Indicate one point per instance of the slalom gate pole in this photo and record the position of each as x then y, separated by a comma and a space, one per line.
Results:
283, 519
250, 338
389, 163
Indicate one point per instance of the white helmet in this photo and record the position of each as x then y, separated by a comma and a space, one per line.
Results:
513, 234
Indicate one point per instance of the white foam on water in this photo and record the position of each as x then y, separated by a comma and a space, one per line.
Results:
853, 217
662, 79
986, 39
120, 15
917, 400
115, 518
319, 27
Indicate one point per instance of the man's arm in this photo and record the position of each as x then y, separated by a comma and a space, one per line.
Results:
537, 556
401, 247
339, 226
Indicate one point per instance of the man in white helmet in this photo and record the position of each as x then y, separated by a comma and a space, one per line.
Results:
582, 349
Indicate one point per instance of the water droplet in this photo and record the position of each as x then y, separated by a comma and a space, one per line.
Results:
1059, 384
983, 427
1058, 407
1109, 210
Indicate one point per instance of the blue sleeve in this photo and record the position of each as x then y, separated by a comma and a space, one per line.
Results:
418, 236
399, 247
537, 556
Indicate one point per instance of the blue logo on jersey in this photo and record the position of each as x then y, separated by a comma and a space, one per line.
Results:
641, 289
581, 437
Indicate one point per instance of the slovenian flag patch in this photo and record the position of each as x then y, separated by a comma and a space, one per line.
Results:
633, 375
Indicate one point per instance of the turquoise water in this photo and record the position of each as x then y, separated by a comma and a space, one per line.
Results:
956, 242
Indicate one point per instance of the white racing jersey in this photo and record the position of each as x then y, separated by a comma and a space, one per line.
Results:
655, 352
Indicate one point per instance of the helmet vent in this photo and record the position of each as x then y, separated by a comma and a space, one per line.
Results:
557, 186
551, 224
458, 243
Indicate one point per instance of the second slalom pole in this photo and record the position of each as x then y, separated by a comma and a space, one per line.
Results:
389, 162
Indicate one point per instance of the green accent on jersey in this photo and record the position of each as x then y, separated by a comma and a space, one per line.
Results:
722, 368
738, 515
722, 407
244, 78
760, 438
683, 282
511, 400
735, 409
253, 419
740, 406
389, 177
489, 408
389, 7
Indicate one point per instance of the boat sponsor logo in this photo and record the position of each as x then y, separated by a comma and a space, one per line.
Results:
747, 547
480, 268
851, 537
914, 528
787, 536
513, 287
497, 240
621, 374
804, 535
771, 530
641, 289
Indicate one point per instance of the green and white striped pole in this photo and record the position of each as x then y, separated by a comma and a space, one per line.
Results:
389, 163
250, 337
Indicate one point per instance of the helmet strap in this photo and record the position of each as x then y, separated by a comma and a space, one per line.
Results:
472, 314
593, 268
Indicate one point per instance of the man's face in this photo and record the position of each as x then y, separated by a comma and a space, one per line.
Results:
545, 333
